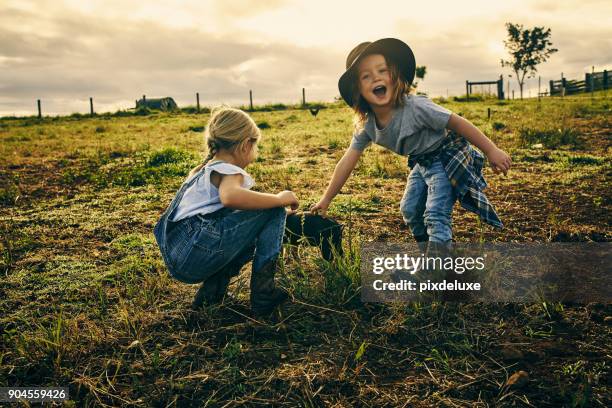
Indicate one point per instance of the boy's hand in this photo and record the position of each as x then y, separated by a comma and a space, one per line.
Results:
320, 207
500, 161
288, 199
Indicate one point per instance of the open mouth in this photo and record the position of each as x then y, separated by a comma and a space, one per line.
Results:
380, 91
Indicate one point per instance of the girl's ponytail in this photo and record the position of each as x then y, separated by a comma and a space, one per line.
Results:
212, 150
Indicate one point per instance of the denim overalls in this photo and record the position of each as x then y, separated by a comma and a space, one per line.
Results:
427, 204
197, 247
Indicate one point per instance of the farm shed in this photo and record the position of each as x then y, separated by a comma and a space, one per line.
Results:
163, 104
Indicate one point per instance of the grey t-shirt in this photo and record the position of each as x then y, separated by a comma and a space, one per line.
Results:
417, 127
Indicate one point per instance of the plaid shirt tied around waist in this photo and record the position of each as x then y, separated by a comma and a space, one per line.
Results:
463, 165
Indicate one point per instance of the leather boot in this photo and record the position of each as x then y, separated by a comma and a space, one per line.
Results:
265, 296
208, 293
213, 290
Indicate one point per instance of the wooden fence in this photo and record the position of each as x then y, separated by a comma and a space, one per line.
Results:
168, 103
596, 81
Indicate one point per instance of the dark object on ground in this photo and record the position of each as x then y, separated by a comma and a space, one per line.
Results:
593, 236
163, 104
314, 111
317, 230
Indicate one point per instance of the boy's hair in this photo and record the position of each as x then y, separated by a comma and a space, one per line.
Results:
227, 129
361, 106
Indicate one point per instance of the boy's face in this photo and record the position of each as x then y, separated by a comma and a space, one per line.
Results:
374, 79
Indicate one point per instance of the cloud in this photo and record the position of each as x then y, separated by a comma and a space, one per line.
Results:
111, 59
461, 51
231, 9
116, 51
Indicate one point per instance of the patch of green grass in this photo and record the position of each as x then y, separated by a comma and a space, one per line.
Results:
584, 160
145, 168
550, 138
9, 193
169, 155
194, 109
275, 148
333, 144
132, 243
498, 125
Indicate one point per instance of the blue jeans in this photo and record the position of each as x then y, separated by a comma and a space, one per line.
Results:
428, 201
199, 247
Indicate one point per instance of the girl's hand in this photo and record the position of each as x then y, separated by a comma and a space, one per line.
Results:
320, 207
288, 199
500, 161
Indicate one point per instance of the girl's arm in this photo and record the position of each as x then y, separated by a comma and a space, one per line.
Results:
233, 195
500, 161
341, 173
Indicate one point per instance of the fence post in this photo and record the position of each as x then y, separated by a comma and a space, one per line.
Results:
563, 84
303, 96
198, 101
39, 111
587, 82
467, 91
144, 99
91, 111
551, 88
592, 82
500, 88
251, 99
605, 79
488, 113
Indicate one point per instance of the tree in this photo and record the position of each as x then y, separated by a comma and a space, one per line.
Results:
420, 72
527, 48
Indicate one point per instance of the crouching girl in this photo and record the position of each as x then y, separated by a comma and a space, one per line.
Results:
216, 224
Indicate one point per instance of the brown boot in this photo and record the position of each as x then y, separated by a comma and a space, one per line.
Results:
265, 296
213, 290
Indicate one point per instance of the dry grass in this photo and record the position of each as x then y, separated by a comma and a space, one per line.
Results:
86, 302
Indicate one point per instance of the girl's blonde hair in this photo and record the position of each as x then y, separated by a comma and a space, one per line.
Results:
228, 129
362, 107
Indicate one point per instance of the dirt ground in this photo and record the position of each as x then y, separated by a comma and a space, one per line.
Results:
86, 302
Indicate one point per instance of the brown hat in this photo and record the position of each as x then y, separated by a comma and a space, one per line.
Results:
395, 49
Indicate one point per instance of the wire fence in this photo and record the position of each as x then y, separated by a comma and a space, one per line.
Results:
502, 88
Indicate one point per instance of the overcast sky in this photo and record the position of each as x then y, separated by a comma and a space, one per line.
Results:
64, 51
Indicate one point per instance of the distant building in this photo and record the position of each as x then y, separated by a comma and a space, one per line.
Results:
163, 104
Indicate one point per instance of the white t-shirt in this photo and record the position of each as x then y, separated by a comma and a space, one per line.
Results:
202, 197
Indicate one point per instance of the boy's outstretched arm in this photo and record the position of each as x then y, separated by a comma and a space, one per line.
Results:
500, 161
341, 173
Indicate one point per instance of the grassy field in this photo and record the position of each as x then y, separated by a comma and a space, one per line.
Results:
86, 302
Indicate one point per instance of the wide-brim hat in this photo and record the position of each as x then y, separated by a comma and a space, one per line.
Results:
397, 50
